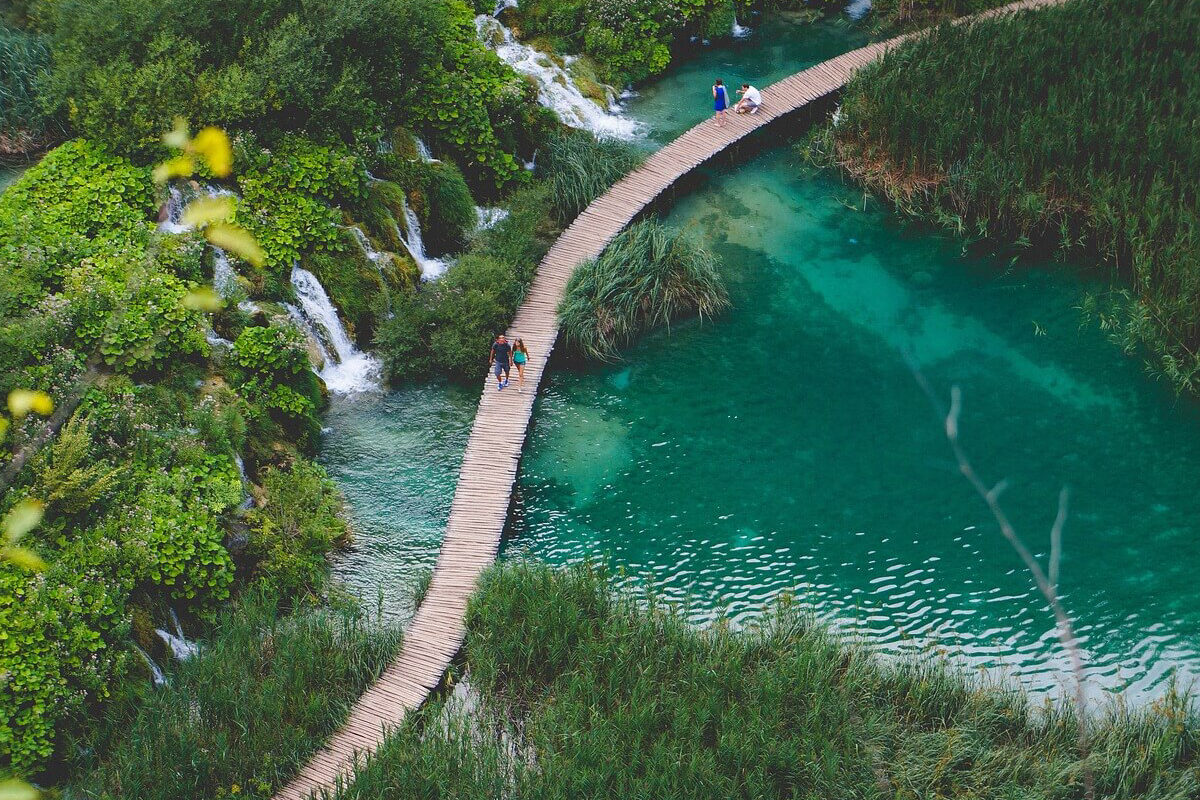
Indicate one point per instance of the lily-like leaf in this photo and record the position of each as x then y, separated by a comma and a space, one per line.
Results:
177, 167
23, 518
22, 401
206, 210
213, 144
202, 298
236, 240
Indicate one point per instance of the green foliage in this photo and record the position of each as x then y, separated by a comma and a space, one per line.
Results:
24, 57
274, 371
293, 530
239, 718
579, 169
586, 694
630, 40
78, 202
449, 209
1067, 127
288, 195
894, 15
334, 69
648, 276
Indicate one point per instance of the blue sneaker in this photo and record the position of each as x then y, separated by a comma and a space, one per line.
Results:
505, 384
499, 386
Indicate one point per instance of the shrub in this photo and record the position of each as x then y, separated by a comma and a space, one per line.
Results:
450, 210
274, 371
294, 528
648, 276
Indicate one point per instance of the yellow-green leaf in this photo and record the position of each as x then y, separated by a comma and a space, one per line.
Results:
177, 167
177, 137
23, 557
22, 401
202, 298
23, 518
236, 240
206, 210
213, 144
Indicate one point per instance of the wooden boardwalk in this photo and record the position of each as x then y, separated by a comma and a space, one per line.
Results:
489, 468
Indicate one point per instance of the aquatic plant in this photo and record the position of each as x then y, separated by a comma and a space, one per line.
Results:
648, 276
582, 693
1067, 127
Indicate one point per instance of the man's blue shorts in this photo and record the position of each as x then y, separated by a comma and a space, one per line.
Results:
500, 368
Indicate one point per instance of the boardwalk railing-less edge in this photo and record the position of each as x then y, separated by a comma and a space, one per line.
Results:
489, 467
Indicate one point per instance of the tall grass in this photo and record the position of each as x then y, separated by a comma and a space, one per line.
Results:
892, 15
24, 57
648, 276
1071, 127
242, 716
579, 169
588, 695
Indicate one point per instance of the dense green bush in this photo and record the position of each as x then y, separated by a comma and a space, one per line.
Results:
580, 693
648, 276
346, 69
294, 529
1069, 127
241, 717
912, 14
274, 373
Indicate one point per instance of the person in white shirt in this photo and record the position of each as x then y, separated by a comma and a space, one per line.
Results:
750, 101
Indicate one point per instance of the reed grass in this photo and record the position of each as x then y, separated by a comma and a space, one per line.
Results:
586, 694
242, 716
648, 276
579, 169
24, 57
1070, 128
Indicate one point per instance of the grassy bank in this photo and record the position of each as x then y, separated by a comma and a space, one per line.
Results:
239, 718
1070, 128
586, 694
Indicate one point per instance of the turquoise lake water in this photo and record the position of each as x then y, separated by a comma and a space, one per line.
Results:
787, 446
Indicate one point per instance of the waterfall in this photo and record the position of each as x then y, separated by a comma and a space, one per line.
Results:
156, 673
488, 217
178, 644
347, 369
740, 31
247, 498
857, 9
503, 4
224, 276
531, 164
214, 340
431, 268
556, 90
375, 257
423, 151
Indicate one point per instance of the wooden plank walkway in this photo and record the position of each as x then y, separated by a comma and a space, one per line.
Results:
489, 468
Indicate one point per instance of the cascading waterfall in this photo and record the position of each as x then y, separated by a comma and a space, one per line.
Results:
224, 276
156, 673
556, 89
488, 217
857, 9
424, 152
347, 370
247, 498
740, 31
176, 642
375, 257
431, 268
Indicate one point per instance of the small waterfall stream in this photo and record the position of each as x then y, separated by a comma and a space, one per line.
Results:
156, 673
224, 275
556, 89
740, 31
179, 645
347, 370
431, 268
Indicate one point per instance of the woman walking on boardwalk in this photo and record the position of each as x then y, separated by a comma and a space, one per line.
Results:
720, 102
520, 356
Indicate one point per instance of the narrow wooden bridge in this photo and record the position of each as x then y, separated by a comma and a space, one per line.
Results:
489, 467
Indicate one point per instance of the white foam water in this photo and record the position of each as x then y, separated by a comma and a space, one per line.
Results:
556, 89
488, 217
857, 9
156, 673
740, 31
424, 152
431, 268
347, 369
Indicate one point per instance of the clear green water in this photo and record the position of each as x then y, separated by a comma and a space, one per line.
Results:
787, 446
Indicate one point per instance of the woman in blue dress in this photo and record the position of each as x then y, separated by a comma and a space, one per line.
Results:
720, 102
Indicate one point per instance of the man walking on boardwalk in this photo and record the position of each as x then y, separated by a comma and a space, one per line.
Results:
501, 360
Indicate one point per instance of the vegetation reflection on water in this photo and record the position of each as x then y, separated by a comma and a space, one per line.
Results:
787, 446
